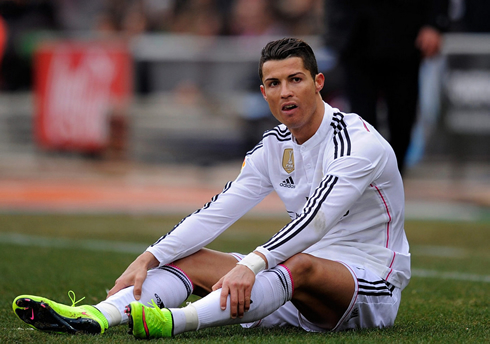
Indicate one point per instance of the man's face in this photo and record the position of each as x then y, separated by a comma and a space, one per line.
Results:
292, 93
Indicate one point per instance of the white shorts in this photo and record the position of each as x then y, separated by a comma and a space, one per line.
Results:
374, 305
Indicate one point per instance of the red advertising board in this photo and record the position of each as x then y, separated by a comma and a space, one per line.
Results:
78, 87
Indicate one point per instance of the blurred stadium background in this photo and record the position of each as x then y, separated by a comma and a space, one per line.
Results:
149, 106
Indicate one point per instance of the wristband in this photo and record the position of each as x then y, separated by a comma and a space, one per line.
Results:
254, 262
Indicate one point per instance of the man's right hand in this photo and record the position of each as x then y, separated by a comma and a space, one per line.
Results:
135, 274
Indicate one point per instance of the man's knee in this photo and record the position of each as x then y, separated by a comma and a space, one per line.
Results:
309, 271
301, 266
205, 267
323, 288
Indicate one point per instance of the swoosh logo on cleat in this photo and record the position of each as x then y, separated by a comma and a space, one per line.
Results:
144, 324
32, 317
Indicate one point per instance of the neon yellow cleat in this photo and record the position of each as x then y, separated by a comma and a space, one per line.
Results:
149, 322
46, 315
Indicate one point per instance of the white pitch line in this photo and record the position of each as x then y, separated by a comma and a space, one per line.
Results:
439, 251
458, 276
84, 244
125, 247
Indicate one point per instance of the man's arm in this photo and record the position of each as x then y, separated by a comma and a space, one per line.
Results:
198, 229
189, 236
206, 224
343, 183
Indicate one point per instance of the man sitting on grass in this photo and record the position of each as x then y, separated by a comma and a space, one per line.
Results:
340, 263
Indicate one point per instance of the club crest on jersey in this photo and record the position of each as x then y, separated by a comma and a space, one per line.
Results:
288, 160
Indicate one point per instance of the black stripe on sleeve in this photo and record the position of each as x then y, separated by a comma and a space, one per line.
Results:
281, 134
311, 209
341, 138
258, 146
207, 205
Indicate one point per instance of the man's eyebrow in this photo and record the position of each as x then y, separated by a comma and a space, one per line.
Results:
271, 79
295, 74
289, 76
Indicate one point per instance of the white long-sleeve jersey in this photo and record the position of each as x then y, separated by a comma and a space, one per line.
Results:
341, 188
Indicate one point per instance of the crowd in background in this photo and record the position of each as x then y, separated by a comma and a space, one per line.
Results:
23, 23
25, 20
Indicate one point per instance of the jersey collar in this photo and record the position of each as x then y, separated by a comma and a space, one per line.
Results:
322, 131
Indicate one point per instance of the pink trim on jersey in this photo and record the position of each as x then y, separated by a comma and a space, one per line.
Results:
176, 267
391, 264
291, 278
354, 297
387, 212
236, 256
257, 324
364, 123
393, 260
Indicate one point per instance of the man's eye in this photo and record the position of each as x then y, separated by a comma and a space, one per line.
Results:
273, 83
296, 79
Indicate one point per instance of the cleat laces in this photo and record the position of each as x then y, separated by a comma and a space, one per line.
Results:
71, 295
159, 312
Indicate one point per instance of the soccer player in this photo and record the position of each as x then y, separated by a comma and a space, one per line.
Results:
340, 263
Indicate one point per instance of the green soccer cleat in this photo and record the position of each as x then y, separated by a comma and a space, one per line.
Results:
147, 322
47, 315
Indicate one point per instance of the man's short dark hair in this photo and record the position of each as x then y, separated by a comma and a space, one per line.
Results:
289, 47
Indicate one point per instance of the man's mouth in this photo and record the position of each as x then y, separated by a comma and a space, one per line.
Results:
289, 107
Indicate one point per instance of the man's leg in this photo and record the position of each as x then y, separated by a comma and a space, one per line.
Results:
205, 268
167, 286
323, 289
170, 285
271, 290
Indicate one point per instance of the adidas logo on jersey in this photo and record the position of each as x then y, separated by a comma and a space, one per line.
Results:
288, 183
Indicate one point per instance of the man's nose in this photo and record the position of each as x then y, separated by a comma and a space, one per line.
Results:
285, 91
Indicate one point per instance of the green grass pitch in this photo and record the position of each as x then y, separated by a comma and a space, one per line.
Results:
447, 300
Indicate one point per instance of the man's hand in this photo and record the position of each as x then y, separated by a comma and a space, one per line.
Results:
238, 284
135, 274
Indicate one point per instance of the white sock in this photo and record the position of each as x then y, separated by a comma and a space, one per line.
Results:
271, 290
110, 312
167, 285
185, 319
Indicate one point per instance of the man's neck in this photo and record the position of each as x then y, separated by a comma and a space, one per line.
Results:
303, 134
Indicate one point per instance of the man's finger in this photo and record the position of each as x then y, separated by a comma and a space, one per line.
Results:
247, 294
233, 303
246, 306
111, 292
138, 286
223, 297
241, 304
117, 287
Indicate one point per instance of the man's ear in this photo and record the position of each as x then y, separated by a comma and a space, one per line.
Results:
262, 90
319, 81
